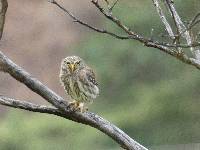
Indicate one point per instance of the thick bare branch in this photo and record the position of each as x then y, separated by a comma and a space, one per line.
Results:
3, 9
87, 118
163, 19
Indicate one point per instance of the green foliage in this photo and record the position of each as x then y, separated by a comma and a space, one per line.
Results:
151, 96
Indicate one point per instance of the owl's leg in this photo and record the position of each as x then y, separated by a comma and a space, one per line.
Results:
82, 107
74, 104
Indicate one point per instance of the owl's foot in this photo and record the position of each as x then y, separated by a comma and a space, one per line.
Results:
73, 105
77, 106
82, 107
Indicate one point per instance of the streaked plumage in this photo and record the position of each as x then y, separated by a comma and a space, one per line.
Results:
78, 80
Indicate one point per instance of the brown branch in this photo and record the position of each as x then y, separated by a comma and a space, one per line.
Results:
3, 9
87, 118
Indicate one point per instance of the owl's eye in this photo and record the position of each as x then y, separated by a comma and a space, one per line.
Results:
68, 62
78, 62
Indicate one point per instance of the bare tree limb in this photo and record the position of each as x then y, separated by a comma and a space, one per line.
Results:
28, 106
87, 118
111, 7
3, 9
115, 20
163, 19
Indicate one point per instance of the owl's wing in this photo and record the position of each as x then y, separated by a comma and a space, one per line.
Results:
87, 75
87, 82
91, 76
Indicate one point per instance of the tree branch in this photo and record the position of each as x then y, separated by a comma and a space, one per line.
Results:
3, 9
87, 118
164, 47
28, 106
181, 28
163, 19
76, 19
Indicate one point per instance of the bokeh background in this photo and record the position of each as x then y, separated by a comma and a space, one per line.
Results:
148, 94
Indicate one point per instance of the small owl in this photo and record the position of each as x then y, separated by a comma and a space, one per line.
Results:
79, 81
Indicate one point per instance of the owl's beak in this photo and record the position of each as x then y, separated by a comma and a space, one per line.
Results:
72, 67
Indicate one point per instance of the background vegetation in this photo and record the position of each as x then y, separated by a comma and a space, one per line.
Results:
151, 96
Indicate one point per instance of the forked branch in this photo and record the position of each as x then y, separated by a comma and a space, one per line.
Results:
132, 35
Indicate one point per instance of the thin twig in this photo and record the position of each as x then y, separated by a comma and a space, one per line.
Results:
109, 16
76, 19
193, 24
111, 8
194, 19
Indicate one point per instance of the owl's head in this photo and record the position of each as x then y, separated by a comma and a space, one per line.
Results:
72, 63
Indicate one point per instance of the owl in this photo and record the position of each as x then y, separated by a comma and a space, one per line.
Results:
78, 81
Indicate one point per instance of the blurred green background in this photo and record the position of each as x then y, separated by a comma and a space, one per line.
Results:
148, 94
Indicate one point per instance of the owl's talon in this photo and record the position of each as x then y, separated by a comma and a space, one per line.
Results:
81, 107
77, 106
73, 105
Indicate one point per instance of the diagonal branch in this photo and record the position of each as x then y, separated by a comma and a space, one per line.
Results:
87, 118
111, 8
115, 20
3, 9
163, 19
